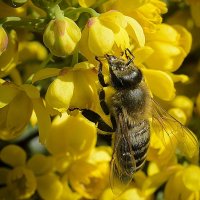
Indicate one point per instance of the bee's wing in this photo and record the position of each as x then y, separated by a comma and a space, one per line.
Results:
121, 177
169, 130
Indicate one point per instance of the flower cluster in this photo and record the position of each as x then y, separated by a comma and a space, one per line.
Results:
49, 75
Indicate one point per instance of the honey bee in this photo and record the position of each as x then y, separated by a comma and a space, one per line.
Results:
131, 108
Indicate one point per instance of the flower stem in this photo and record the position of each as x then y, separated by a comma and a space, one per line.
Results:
17, 22
70, 12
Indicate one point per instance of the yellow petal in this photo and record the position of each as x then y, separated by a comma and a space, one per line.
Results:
100, 38
185, 38
179, 78
7, 93
40, 164
43, 118
31, 91
191, 178
160, 84
49, 187
13, 155
15, 116
141, 54
113, 19
135, 31
60, 92
21, 177
45, 73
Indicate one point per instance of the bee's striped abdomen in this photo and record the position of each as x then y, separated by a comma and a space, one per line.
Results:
140, 137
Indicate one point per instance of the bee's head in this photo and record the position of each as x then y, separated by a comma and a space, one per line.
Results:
123, 73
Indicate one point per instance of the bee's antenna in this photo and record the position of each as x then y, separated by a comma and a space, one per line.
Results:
130, 60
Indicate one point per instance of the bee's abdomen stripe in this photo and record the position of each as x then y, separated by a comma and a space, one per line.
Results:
140, 135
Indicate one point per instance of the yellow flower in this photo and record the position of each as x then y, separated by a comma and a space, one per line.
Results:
27, 177
90, 177
146, 12
163, 147
110, 32
184, 184
137, 190
71, 85
8, 59
170, 46
16, 105
182, 108
194, 8
71, 135
3, 40
20, 181
61, 36
198, 104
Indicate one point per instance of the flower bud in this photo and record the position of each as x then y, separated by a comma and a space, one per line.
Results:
61, 36
3, 40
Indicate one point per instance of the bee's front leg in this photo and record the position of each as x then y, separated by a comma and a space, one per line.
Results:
100, 74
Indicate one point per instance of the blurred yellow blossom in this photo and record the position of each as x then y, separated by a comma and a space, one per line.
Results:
31, 50
3, 40
15, 99
194, 8
8, 59
93, 177
184, 184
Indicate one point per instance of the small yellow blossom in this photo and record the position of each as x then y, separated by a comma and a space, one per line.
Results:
90, 177
184, 184
194, 8
110, 32
20, 182
170, 46
8, 59
185, 104
146, 12
28, 176
61, 36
